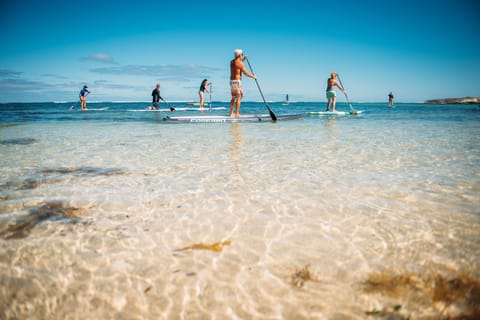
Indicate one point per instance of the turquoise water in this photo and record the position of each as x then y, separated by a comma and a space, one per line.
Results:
94, 205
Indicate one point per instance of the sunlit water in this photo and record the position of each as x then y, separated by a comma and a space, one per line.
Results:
392, 189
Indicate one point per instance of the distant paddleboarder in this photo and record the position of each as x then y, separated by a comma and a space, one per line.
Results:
156, 99
236, 69
203, 88
83, 97
390, 100
331, 94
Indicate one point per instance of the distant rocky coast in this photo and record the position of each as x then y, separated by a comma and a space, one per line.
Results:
455, 100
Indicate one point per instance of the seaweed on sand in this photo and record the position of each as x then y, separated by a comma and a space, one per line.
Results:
58, 173
83, 171
217, 246
454, 297
300, 276
49, 211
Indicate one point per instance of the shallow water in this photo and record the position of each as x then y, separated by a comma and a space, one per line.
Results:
391, 189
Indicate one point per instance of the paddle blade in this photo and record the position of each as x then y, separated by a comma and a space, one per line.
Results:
272, 115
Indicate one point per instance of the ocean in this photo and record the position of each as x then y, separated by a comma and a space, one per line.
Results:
121, 215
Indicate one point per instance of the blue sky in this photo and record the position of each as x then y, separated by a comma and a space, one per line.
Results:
121, 49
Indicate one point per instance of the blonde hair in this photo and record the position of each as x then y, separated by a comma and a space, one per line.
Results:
333, 75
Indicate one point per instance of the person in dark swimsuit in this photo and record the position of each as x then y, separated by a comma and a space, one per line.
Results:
390, 100
156, 98
201, 91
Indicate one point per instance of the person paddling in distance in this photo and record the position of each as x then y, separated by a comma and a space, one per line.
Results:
237, 68
331, 94
201, 91
390, 99
83, 97
156, 97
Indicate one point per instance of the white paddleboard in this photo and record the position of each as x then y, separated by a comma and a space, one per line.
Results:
177, 109
336, 113
94, 109
243, 118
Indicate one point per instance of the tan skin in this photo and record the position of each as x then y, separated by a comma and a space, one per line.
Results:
200, 93
83, 100
237, 68
332, 82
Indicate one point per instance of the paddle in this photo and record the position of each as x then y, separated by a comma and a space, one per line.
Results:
78, 102
210, 92
171, 108
272, 115
346, 96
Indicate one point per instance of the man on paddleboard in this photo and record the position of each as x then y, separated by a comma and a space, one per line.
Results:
236, 69
83, 97
156, 98
331, 94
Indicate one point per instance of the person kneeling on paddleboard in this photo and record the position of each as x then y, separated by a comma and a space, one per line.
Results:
156, 99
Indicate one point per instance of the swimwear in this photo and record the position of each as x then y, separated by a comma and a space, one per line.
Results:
331, 94
156, 95
202, 87
236, 88
83, 91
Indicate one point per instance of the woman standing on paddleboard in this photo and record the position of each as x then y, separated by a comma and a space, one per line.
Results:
203, 88
83, 97
331, 94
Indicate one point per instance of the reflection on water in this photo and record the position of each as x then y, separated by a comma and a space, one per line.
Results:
18, 141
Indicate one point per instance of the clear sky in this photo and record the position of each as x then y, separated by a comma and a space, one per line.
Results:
417, 49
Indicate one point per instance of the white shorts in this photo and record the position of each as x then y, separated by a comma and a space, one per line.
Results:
236, 88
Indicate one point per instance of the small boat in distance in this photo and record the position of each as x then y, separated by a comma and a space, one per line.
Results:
287, 100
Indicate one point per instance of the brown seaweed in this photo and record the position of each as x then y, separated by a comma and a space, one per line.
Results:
84, 171
49, 211
217, 246
300, 276
444, 294
50, 176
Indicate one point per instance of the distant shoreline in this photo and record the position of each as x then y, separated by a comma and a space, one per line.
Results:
465, 100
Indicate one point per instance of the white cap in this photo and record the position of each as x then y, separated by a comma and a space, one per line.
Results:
237, 52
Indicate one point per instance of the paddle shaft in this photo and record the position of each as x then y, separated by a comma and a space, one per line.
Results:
210, 92
168, 104
346, 96
272, 115
78, 102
